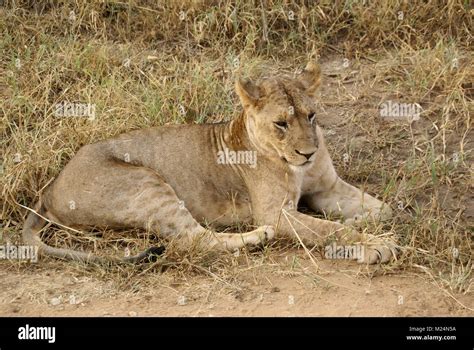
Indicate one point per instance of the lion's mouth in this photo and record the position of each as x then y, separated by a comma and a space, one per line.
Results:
301, 165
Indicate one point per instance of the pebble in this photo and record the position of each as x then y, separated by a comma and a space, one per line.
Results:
16, 310
55, 301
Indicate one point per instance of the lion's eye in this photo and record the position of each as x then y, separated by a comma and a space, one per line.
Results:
281, 125
311, 117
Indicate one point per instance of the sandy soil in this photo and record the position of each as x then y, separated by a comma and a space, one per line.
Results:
339, 289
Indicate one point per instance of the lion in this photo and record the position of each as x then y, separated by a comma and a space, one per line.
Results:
254, 169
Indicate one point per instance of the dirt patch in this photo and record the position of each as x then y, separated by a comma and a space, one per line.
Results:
339, 289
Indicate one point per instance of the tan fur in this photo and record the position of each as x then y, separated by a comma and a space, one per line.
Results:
168, 178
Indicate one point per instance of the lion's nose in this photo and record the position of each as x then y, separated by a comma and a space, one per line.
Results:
306, 155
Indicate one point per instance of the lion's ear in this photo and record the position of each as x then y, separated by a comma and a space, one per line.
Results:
311, 78
249, 93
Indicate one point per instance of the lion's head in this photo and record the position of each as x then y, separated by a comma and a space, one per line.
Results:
281, 119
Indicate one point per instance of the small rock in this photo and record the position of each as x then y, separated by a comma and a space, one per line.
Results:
55, 301
16, 310
275, 290
182, 300
132, 314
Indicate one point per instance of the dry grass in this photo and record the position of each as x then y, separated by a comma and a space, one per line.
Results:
143, 62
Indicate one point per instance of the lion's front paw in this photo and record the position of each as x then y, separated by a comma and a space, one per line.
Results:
268, 233
260, 236
379, 250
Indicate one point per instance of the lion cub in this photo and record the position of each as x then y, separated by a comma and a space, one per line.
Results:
254, 169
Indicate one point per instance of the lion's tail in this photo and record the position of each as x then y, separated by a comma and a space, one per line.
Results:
31, 235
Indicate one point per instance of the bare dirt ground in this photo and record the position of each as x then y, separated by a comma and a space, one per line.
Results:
343, 289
